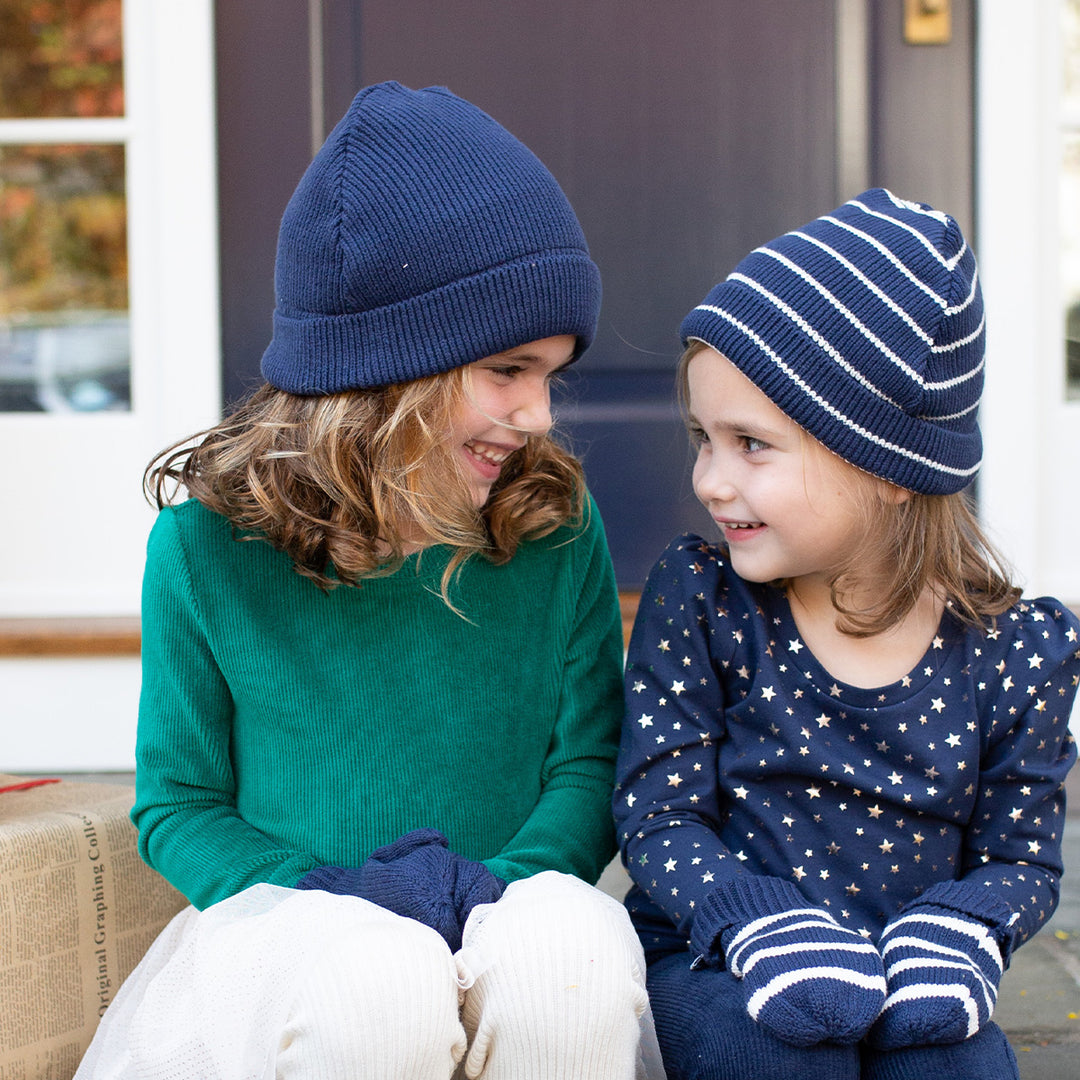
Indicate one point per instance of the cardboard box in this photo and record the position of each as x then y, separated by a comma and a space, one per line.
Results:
78, 909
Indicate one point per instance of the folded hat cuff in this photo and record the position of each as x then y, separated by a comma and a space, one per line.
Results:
528, 299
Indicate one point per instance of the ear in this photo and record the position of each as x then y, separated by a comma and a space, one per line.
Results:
892, 495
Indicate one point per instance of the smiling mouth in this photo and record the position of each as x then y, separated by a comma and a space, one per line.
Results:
491, 455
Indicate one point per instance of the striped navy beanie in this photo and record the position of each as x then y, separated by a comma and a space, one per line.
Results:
422, 237
866, 328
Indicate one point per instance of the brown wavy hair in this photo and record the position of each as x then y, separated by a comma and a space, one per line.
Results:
926, 542
347, 484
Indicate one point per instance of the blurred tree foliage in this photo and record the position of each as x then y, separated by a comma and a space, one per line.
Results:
63, 212
63, 229
61, 58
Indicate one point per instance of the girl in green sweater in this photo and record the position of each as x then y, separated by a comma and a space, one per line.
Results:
382, 652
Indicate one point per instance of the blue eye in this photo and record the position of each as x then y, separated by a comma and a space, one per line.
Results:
753, 445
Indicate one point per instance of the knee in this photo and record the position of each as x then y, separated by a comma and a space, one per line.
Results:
706, 1033
565, 933
987, 1054
557, 970
382, 1000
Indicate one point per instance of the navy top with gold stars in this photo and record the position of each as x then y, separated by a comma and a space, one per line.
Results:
741, 754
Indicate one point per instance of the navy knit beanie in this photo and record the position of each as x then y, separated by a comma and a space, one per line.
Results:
866, 328
422, 237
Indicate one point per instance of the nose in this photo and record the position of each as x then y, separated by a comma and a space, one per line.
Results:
533, 410
712, 482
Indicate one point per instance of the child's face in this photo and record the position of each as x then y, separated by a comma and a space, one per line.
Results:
787, 507
508, 398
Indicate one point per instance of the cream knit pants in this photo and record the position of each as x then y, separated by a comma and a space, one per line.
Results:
280, 984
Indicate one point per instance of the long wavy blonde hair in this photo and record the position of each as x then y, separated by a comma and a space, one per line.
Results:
923, 542
347, 484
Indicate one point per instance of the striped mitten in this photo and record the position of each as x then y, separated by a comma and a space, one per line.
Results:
944, 955
805, 978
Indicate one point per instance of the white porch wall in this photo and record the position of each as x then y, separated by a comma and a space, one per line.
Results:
69, 715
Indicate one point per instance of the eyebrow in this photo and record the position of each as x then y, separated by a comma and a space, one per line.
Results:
755, 431
513, 356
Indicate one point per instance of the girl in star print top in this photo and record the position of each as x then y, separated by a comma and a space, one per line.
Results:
840, 782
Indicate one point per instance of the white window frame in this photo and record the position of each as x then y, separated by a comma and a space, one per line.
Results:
70, 483
1028, 489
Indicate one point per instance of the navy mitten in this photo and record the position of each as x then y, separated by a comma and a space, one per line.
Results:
944, 954
805, 978
416, 876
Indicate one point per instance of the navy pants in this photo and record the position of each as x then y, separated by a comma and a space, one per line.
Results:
705, 1033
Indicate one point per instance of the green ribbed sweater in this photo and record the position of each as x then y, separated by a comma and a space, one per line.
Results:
283, 728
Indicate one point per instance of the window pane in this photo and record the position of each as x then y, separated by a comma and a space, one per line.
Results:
63, 279
1070, 258
61, 58
1070, 52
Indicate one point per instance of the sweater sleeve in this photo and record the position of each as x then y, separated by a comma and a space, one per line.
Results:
1013, 843
570, 827
668, 803
185, 809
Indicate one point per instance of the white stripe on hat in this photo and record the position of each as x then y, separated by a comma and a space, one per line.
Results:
970, 296
814, 334
848, 314
949, 264
872, 286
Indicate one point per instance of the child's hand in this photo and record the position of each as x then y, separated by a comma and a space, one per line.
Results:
943, 967
416, 876
805, 978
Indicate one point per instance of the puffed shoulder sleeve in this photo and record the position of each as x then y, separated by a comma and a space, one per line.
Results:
1030, 661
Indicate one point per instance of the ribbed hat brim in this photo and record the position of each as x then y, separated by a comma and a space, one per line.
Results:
478, 316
